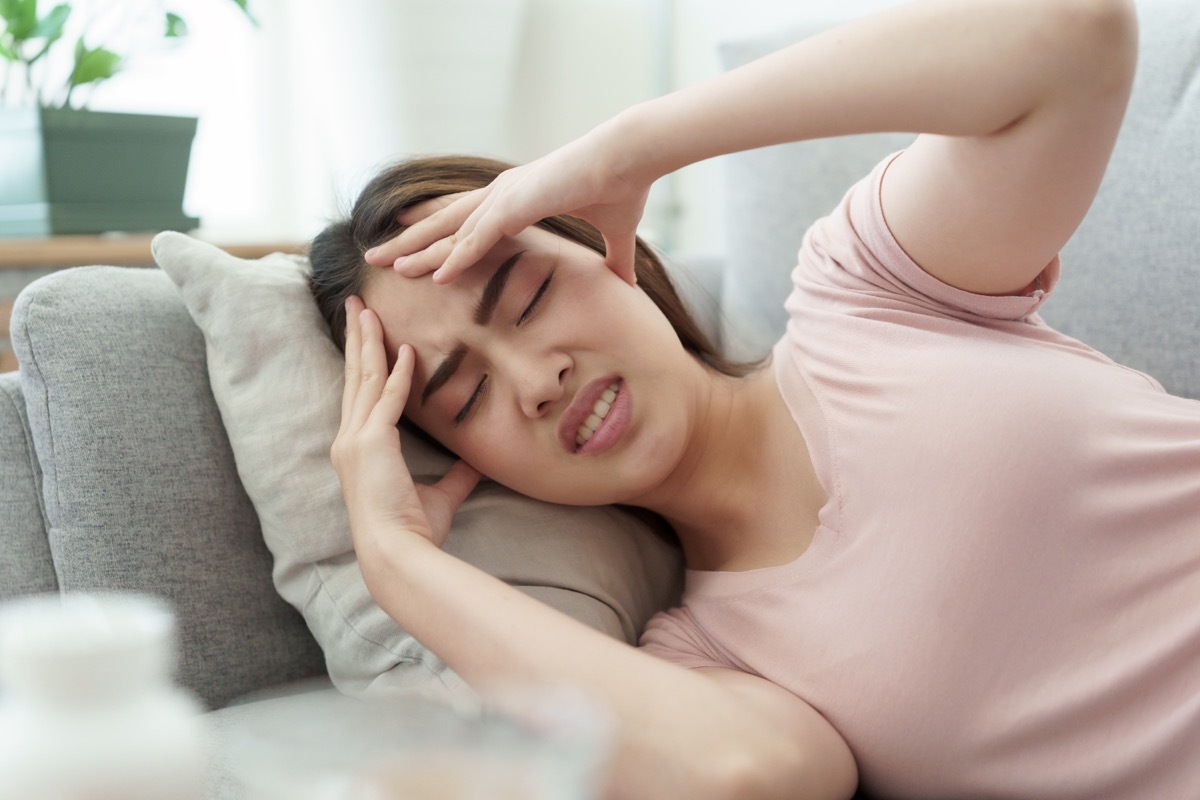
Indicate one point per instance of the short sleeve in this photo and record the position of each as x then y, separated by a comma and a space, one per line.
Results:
675, 636
853, 249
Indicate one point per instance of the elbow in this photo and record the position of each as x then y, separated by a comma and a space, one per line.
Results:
779, 772
1102, 37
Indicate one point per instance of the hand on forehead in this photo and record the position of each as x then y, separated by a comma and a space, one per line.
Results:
435, 253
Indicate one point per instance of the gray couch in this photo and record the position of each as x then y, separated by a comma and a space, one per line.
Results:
115, 470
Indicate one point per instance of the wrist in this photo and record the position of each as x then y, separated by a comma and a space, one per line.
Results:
636, 152
383, 548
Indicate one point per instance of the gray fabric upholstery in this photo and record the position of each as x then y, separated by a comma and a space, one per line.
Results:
1131, 274
25, 563
139, 486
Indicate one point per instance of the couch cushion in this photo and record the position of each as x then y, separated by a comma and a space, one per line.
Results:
277, 377
1131, 276
139, 486
25, 564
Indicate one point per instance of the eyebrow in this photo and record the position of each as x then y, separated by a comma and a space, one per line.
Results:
484, 310
494, 288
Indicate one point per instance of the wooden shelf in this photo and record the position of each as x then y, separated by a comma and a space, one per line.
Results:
53, 252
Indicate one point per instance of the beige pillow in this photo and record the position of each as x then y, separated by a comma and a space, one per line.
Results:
277, 379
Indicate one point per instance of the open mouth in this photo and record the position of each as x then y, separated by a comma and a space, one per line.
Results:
597, 417
599, 413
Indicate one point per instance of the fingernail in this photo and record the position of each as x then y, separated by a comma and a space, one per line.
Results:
399, 262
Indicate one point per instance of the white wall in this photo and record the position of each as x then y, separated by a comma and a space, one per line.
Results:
297, 114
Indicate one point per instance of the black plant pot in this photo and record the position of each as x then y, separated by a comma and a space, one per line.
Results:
69, 171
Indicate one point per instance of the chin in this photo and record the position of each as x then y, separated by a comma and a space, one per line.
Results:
585, 491
626, 477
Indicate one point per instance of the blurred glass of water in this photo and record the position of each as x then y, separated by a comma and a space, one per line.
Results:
533, 744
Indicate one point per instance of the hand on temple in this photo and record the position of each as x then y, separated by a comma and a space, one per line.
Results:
379, 490
583, 179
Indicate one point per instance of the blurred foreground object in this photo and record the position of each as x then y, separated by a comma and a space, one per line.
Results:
88, 709
545, 743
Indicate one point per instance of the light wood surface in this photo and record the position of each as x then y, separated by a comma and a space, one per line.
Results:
42, 255
133, 251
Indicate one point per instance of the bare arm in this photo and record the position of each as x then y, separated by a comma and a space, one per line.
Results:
1021, 101
681, 733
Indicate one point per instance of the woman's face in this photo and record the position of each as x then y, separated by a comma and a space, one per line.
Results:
544, 371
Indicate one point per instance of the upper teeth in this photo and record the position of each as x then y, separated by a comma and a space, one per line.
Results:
599, 412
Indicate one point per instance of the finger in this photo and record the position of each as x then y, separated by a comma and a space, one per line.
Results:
620, 256
427, 260
352, 350
394, 396
458, 483
372, 370
465, 254
425, 231
477, 236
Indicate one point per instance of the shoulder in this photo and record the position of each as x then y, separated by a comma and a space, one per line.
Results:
854, 261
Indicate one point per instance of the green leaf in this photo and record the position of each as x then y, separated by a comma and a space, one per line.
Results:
20, 17
7, 53
93, 65
176, 26
10, 10
51, 26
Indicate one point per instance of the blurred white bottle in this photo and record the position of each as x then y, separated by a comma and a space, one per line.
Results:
87, 707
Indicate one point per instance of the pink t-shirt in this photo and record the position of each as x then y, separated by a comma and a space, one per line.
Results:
1003, 596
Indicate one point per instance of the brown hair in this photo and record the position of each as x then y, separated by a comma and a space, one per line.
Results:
340, 271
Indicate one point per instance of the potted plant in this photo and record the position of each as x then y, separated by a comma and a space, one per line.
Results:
68, 170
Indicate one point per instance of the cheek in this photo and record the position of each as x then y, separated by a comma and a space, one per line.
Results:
485, 444
618, 314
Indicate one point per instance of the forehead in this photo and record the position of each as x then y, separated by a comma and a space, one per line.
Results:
428, 316
434, 318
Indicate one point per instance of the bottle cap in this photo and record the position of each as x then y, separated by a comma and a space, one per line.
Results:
85, 646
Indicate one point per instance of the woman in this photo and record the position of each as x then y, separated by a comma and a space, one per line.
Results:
934, 544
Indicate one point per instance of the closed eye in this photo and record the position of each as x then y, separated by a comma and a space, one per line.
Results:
537, 298
466, 410
480, 388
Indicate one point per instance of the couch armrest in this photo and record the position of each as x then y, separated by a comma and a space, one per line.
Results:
25, 563
139, 485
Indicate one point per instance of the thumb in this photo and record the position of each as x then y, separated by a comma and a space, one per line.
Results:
619, 254
458, 482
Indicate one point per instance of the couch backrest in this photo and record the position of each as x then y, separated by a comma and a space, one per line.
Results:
139, 487
1131, 274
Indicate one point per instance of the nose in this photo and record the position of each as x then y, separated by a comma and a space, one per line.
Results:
540, 382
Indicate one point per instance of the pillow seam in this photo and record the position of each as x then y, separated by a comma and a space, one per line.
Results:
324, 589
